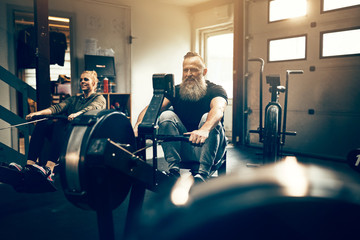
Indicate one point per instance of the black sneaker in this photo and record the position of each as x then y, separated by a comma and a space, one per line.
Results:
56, 168
50, 178
15, 166
39, 179
12, 174
36, 168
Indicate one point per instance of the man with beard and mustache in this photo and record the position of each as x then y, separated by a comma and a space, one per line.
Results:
196, 110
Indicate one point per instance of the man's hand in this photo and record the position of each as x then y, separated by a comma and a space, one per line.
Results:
198, 136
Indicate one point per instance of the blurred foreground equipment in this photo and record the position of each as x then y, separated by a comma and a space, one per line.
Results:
286, 200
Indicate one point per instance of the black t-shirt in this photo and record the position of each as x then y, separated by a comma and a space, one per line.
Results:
190, 112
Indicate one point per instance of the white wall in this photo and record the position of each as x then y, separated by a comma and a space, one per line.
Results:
162, 37
4, 88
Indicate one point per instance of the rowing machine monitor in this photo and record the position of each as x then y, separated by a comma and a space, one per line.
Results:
162, 84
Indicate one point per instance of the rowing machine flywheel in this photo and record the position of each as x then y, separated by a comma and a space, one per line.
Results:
87, 182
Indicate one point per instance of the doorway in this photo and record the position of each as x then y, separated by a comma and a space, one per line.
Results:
218, 55
59, 28
25, 60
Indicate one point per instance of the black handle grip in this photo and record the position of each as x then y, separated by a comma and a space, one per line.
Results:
172, 138
49, 117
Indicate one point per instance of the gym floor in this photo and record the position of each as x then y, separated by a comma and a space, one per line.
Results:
52, 216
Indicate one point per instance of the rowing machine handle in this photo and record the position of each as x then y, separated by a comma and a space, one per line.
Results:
49, 117
173, 138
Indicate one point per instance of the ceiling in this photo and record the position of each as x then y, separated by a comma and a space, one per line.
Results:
184, 3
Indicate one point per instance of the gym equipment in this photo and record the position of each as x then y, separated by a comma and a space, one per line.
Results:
36, 119
25, 123
11, 176
271, 135
103, 161
282, 201
23, 181
163, 84
353, 159
98, 167
84, 176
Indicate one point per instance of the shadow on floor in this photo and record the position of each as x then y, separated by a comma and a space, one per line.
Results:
52, 216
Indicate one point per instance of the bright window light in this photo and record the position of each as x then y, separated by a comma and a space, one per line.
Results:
287, 49
284, 9
329, 5
219, 52
341, 43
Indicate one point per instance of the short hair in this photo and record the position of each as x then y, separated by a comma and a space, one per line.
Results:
94, 75
194, 54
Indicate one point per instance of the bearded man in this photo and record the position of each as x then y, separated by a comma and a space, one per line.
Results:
196, 110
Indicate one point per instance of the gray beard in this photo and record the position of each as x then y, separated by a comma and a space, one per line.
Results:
192, 90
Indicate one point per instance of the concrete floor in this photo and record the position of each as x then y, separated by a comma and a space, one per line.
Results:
52, 216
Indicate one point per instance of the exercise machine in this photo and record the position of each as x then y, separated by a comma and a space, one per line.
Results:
273, 133
287, 200
20, 180
103, 162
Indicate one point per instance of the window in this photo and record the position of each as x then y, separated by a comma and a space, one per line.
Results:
329, 5
285, 9
219, 58
340, 43
291, 48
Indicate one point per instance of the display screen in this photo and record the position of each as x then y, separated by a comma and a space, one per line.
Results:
103, 65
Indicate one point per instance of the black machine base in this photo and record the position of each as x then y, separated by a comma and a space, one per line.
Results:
25, 182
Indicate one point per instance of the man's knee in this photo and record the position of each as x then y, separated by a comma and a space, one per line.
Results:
167, 123
204, 118
218, 128
167, 115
